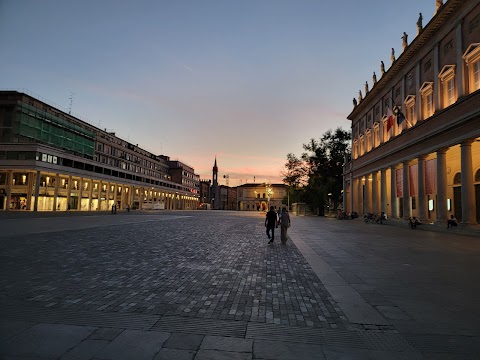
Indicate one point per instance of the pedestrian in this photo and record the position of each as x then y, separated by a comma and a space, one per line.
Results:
452, 222
279, 214
128, 208
271, 223
284, 225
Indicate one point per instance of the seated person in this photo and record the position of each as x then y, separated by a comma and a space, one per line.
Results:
452, 222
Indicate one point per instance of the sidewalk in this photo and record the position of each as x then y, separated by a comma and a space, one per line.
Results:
219, 292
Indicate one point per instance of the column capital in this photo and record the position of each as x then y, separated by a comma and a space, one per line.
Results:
442, 150
467, 142
422, 157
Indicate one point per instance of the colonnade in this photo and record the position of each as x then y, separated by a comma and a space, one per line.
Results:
46, 191
420, 187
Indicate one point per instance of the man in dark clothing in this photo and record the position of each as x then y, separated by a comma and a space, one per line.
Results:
271, 223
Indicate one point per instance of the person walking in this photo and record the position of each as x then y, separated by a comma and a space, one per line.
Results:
271, 223
284, 225
279, 214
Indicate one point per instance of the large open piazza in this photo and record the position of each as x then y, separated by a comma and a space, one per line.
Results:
205, 285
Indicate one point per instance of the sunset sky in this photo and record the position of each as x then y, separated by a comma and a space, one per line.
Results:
245, 81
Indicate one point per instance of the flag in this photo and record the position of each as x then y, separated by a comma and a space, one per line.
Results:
399, 114
389, 119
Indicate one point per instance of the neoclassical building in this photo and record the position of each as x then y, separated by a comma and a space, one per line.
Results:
53, 161
258, 197
416, 131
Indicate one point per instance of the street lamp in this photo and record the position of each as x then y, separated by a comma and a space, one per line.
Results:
269, 192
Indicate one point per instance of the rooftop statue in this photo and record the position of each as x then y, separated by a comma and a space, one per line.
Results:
392, 55
419, 23
360, 97
366, 88
404, 40
355, 102
439, 3
382, 67
374, 78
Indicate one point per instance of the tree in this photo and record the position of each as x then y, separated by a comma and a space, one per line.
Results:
322, 167
295, 177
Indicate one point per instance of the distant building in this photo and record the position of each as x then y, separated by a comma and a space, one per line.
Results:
205, 194
416, 133
51, 160
258, 197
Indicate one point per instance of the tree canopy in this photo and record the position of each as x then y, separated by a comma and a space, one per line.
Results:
317, 175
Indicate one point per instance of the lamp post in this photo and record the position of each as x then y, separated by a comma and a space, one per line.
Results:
269, 193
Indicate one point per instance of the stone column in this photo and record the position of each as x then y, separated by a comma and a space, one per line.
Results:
80, 194
422, 204
37, 191
407, 205
368, 195
344, 194
352, 193
442, 185
8, 190
90, 194
393, 192
375, 207
468, 190
69, 190
55, 191
383, 190
29, 190
99, 202
360, 195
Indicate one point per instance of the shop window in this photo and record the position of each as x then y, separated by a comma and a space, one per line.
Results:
3, 178
472, 58
447, 83
426, 91
20, 179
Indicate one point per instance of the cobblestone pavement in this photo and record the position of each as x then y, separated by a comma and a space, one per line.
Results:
192, 266
205, 285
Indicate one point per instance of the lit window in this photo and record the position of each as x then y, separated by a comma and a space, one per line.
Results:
368, 138
426, 91
447, 78
376, 135
410, 112
472, 58
362, 145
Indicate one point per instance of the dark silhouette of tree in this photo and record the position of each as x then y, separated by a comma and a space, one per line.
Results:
319, 171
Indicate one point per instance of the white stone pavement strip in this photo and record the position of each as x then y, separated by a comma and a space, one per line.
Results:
354, 306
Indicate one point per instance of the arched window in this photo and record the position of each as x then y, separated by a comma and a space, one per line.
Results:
477, 176
457, 179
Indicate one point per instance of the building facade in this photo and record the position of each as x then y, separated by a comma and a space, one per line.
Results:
259, 197
415, 133
50, 160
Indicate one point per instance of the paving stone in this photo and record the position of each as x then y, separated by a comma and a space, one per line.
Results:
222, 355
226, 344
184, 341
10, 328
134, 344
273, 350
105, 334
175, 354
45, 340
85, 350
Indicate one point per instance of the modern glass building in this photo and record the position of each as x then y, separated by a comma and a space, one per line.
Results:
51, 160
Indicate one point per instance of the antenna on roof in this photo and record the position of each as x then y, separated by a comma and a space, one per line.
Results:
71, 102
